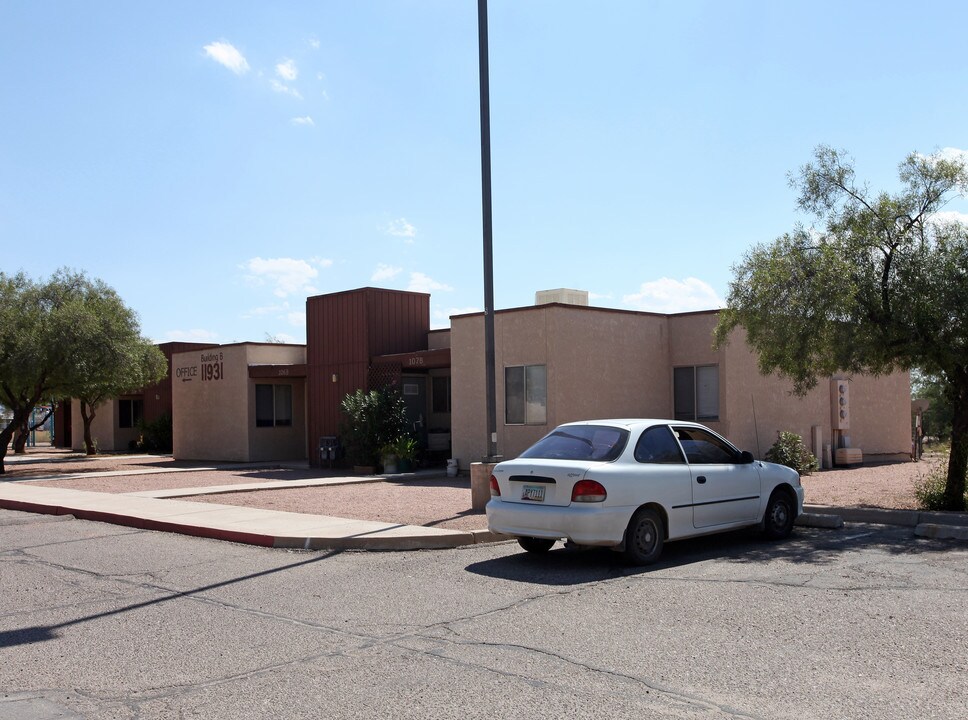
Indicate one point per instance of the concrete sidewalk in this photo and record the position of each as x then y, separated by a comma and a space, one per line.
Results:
268, 528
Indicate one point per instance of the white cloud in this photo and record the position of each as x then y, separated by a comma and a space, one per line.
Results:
285, 89
321, 261
950, 153
666, 295
385, 272
298, 319
264, 310
287, 70
950, 216
400, 228
305, 120
314, 43
195, 335
226, 54
289, 276
425, 284
284, 338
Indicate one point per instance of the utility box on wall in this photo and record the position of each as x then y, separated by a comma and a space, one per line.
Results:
840, 404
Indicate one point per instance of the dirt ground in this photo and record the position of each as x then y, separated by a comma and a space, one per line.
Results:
437, 502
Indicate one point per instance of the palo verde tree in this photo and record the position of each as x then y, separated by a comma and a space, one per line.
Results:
879, 283
47, 332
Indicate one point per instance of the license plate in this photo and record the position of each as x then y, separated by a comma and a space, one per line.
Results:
535, 493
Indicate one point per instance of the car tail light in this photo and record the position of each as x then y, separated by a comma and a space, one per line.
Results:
495, 490
588, 491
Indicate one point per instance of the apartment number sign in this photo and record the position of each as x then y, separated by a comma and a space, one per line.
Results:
211, 368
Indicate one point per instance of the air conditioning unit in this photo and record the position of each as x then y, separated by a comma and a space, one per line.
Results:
848, 456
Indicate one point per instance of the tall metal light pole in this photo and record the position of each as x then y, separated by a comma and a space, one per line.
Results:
491, 388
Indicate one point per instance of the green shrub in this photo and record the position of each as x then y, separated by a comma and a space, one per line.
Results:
372, 420
789, 450
929, 490
156, 435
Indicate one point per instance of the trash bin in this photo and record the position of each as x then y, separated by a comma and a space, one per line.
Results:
328, 450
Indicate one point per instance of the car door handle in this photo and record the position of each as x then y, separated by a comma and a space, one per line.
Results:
701, 479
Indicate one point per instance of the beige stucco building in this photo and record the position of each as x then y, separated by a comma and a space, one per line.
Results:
115, 425
587, 363
243, 402
556, 362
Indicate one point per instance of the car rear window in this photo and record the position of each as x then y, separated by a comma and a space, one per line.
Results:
602, 443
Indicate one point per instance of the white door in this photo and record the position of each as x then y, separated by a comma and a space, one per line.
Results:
724, 489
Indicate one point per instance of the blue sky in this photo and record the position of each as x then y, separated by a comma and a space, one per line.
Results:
218, 162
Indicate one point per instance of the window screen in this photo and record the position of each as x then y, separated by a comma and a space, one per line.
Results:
283, 405
264, 406
525, 395
696, 392
129, 412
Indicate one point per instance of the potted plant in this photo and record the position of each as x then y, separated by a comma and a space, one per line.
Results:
405, 449
389, 458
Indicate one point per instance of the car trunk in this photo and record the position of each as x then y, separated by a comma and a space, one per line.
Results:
540, 482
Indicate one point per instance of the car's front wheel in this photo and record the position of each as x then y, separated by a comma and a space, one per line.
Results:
535, 545
644, 538
779, 516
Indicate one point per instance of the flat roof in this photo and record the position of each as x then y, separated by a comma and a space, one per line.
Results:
592, 308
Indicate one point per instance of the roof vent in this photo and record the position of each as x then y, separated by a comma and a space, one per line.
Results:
561, 295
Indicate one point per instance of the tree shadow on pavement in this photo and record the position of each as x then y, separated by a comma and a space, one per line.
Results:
40, 633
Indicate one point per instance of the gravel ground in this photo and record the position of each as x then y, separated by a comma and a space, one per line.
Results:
443, 502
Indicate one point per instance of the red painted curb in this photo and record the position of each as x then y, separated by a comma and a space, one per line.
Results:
245, 538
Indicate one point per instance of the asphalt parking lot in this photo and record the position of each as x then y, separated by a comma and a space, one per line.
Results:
102, 621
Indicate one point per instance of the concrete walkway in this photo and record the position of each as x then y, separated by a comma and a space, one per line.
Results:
254, 526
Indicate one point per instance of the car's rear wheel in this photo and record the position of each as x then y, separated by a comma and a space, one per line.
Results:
779, 516
536, 545
644, 538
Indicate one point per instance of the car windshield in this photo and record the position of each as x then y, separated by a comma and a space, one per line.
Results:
580, 442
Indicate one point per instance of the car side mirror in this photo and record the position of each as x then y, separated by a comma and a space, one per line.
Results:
746, 457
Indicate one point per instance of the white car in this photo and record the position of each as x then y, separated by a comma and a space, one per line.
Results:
632, 485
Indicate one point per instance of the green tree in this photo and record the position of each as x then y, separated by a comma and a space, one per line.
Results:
34, 346
880, 283
68, 336
111, 357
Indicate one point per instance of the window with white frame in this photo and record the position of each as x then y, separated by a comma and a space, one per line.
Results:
273, 405
130, 412
525, 395
696, 392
